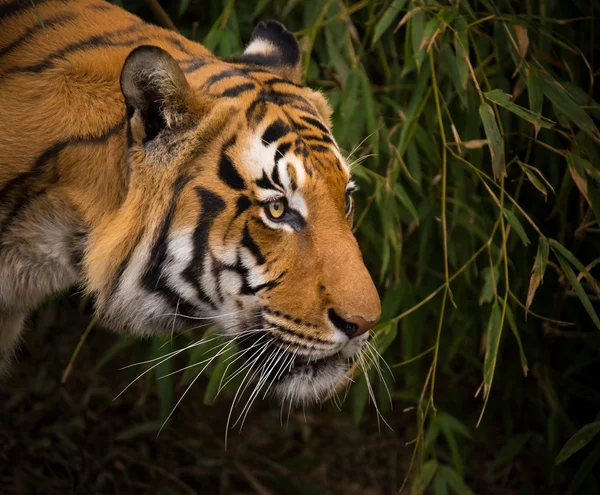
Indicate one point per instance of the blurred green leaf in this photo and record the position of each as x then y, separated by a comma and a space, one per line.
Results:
391, 13
584, 436
556, 93
516, 225
454, 480
427, 473
577, 287
496, 143
498, 97
537, 272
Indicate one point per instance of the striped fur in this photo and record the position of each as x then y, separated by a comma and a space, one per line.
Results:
135, 163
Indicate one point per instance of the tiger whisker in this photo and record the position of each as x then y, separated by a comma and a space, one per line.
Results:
191, 385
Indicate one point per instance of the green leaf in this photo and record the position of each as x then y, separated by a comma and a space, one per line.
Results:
572, 259
583, 297
538, 270
509, 451
535, 93
454, 480
402, 195
491, 348
384, 334
183, 6
440, 487
386, 19
461, 47
217, 375
536, 178
584, 470
565, 104
499, 97
516, 225
165, 383
370, 112
495, 140
515, 330
360, 395
490, 282
584, 436
427, 473
417, 28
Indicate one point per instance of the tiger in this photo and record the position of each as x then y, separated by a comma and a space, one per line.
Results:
176, 187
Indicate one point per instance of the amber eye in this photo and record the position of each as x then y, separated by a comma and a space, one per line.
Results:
275, 209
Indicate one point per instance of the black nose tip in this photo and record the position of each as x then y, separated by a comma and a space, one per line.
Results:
353, 326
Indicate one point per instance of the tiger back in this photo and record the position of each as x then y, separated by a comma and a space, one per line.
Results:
173, 186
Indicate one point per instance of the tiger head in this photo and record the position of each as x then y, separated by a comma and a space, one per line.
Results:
239, 210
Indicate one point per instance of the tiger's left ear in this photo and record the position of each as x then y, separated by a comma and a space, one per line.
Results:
156, 92
275, 48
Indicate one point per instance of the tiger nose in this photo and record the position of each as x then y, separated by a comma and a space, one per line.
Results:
353, 326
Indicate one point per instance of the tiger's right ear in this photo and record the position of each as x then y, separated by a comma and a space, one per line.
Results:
157, 94
275, 48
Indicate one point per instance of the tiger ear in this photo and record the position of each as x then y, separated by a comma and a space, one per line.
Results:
157, 94
274, 47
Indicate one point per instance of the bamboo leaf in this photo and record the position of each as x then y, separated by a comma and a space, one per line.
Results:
454, 480
402, 195
491, 348
535, 94
504, 100
574, 444
516, 225
572, 259
495, 140
515, 330
386, 19
557, 94
217, 375
428, 471
577, 287
461, 47
537, 271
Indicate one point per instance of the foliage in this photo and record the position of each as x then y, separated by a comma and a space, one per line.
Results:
471, 126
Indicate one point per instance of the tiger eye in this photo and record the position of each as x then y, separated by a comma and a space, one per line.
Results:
276, 209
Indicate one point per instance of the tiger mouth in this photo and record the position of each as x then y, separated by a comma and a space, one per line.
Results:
293, 377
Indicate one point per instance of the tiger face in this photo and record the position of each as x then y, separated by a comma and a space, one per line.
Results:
239, 210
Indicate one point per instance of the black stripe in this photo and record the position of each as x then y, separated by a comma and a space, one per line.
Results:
48, 24
318, 138
243, 203
315, 123
153, 279
237, 90
17, 6
275, 176
95, 41
279, 80
256, 111
281, 150
212, 206
116, 280
227, 171
265, 183
225, 75
217, 268
275, 131
19, 190
195, 66
249, 243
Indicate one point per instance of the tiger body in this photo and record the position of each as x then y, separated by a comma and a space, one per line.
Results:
140, 166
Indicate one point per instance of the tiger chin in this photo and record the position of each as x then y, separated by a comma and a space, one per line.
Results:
177, 188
